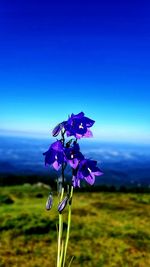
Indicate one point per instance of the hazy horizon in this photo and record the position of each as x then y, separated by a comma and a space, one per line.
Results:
95, 138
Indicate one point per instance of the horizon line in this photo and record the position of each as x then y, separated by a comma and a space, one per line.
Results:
43, 135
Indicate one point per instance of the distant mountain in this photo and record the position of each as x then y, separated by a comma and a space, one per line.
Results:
122, 164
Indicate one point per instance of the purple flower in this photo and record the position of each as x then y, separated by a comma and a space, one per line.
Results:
73, 155
78, 126
55, 155
88, 170
63, 204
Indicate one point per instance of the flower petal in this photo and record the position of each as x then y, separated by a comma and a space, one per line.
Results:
77, 116
78, 136
75, 181
98, 173
90, 179
73, 163
89, 122
49, 156
57, 146
68, 133
88, 133
56, 165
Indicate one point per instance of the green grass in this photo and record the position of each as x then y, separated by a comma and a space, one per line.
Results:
108, 229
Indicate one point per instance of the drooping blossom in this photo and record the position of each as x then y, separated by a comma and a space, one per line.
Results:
73, 155
78, 126
55, 155
88, 170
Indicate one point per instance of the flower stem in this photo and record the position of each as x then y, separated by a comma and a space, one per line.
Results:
68, 227
63, 165
61, 253
60, 230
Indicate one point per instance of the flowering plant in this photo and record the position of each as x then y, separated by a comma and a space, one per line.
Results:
62, 153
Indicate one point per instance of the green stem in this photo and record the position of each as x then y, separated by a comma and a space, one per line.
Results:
71, 261
61, 253
60, 230
68, 227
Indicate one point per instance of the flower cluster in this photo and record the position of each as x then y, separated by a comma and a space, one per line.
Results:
77, 125
61, 153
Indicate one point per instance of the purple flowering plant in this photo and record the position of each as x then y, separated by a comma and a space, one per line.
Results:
62, 153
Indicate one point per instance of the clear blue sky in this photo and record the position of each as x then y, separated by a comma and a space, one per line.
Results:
59, 57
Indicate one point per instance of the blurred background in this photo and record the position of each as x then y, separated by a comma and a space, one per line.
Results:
63, 57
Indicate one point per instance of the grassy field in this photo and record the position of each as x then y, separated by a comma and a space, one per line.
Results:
108, 229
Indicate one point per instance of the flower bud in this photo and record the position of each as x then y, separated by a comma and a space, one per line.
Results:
63, 204
56, 130
49, 202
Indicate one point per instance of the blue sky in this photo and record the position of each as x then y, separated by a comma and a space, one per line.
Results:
59, 57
